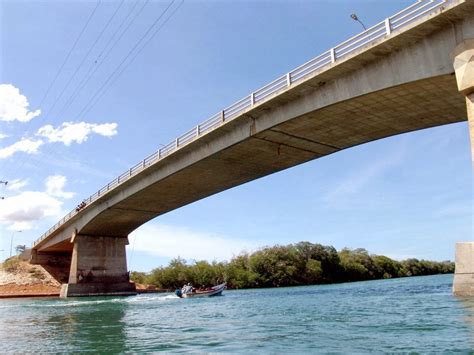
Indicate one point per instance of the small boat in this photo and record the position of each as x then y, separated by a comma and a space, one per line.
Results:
213, 291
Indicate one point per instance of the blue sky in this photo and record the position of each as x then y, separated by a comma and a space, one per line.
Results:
405, 196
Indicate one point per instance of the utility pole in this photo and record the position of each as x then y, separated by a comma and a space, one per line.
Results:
11, 241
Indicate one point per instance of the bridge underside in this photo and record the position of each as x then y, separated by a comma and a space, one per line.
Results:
393, 111
311, 136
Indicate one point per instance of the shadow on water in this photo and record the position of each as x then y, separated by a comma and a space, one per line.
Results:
467, 304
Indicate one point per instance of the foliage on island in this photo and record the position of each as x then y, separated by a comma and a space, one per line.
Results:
302, 263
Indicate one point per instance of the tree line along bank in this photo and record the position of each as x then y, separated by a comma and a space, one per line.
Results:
303, 263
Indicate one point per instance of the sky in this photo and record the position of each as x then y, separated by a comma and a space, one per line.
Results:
90, 88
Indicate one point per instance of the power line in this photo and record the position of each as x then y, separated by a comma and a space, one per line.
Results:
49, 149
70, 52
86, 56
89, 74
121, 67
95, 96
136, 54
91, 15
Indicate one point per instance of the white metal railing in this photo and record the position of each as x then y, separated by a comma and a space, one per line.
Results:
394, 23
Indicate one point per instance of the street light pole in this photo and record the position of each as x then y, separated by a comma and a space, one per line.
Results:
356, 18
11, 242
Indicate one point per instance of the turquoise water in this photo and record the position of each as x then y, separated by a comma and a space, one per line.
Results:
411, 314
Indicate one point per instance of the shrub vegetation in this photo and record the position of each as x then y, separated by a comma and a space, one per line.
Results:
303, 263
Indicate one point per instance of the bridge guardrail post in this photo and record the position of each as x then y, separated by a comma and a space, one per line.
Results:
333, 55
388, 27
222, 116
288, 79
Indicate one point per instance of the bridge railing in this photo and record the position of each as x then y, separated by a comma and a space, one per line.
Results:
320, 63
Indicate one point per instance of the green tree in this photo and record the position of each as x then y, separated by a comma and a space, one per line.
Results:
20, 249
303, 263
139, 277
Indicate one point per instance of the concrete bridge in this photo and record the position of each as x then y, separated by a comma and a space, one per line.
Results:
396, 77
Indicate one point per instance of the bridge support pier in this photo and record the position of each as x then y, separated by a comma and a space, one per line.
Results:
98, 268
463, 284
463, 57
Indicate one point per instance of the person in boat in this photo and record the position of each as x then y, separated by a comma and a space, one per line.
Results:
187, 288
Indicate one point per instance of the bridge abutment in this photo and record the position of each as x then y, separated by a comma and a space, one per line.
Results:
463, 57
98, 267
56, 264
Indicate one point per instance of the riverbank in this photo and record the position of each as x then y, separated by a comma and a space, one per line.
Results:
20, 279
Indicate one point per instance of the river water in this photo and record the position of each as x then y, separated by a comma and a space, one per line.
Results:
400, 315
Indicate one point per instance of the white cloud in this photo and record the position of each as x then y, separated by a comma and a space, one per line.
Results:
172, 241
2, 135
356, 181
14, 106
20, 226
105, 129
29, 206
16, 184
55, 185
78, 132
25, 145
22, 210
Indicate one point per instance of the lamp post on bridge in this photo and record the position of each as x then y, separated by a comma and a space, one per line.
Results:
355, 18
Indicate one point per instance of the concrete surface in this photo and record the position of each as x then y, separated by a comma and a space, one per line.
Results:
98, 267
463, 58
463, 284
463, 63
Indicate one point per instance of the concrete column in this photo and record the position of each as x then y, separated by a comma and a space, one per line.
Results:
98, 267
463, 284
470, 117
463, 62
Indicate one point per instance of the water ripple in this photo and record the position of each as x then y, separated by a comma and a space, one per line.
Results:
416, 314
